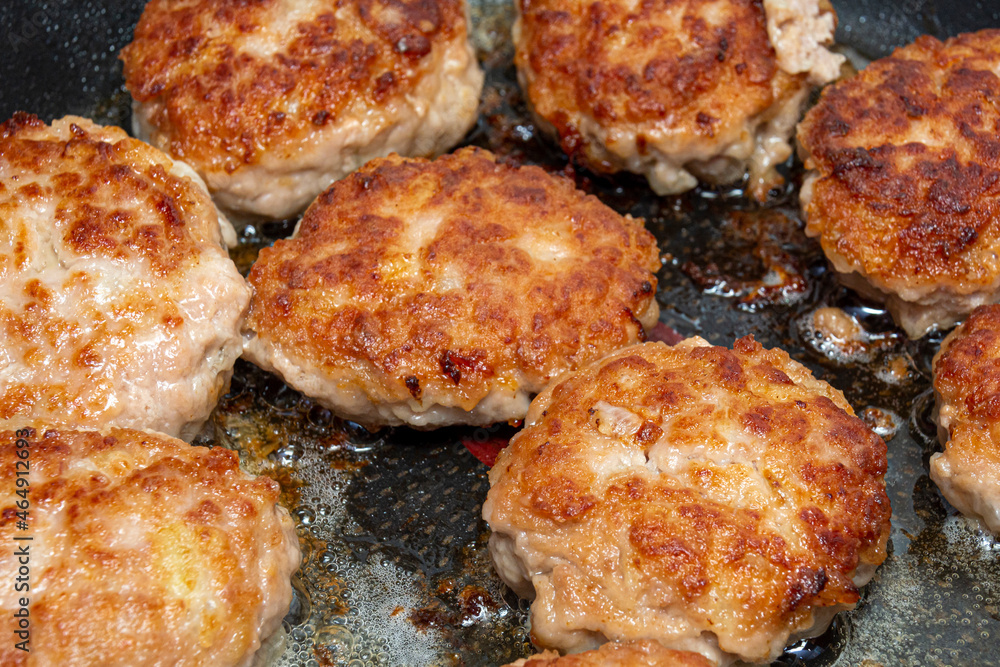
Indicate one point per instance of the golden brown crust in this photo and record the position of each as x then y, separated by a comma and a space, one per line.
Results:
442, 281
967, 382
615, 654
621, 83
120, 305
96, 173
266, 73
665, 492
619, 64
967, 369
144, 551
908, 161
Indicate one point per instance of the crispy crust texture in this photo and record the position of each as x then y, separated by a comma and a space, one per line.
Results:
614, 654
906, 190
120, 304
654, 87
967, 383
417, 285
706, 498
270, 87
145, 551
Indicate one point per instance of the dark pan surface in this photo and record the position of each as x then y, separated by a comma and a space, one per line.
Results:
395, 567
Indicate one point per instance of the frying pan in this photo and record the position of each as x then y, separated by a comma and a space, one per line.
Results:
395, 568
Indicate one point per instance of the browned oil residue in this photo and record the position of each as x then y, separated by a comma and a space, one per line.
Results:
476, 603
327, 584
445, 586
774, 275
325, 656
346, 465
291, 486
427, 618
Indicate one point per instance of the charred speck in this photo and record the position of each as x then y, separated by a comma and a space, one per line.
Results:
413, 385
450, 368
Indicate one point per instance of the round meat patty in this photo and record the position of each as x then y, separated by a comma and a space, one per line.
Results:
120, 304
904, 195
967, 384
715, 501
612, 654
272, 101
144, 551
432, 293
675, 91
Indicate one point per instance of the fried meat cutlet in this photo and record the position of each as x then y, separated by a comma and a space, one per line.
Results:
614, 654
713, 500
904, 193
143, 551
449, 291
120, 304
967, 385
675, 91
271, 101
